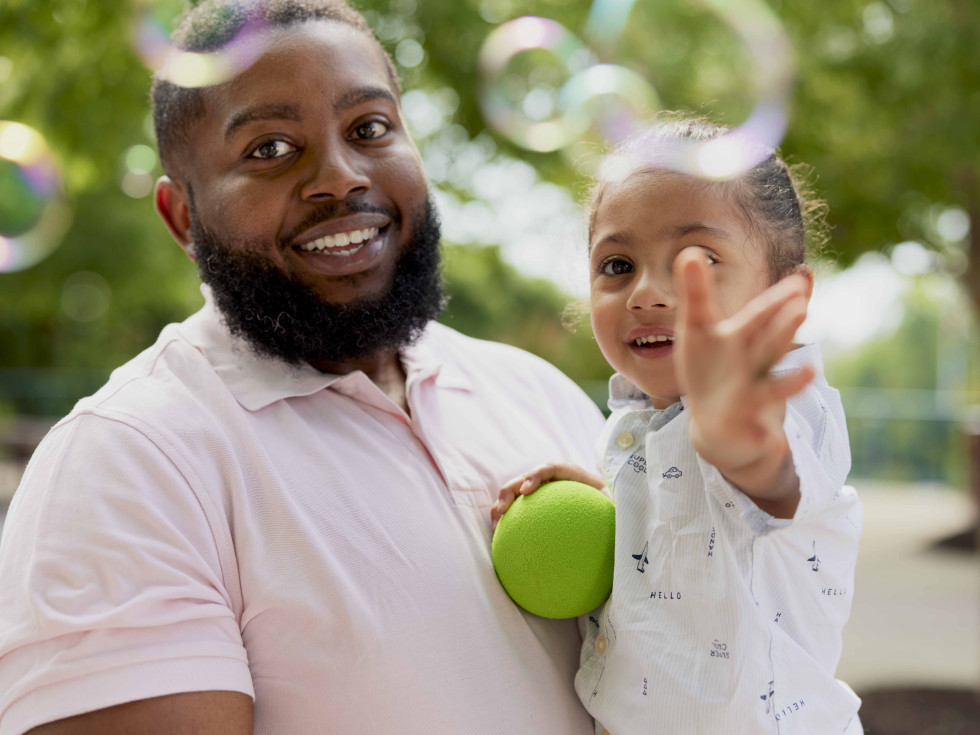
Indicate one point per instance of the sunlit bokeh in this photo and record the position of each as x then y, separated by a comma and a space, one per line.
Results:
34, 214
85, 297
589, 100
151, 41
139, 162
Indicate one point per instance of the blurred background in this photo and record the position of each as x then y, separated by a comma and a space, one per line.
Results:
881, 98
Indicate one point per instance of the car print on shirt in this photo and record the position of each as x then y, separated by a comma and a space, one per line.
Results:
673, 473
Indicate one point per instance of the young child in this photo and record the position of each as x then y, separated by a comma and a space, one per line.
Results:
726, 453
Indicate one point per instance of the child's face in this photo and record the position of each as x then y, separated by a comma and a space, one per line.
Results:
640, 226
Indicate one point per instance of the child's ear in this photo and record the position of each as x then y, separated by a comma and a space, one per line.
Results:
807, 272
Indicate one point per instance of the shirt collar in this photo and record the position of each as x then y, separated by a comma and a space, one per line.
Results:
257, 381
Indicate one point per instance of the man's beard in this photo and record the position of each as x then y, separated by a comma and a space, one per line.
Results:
281, 317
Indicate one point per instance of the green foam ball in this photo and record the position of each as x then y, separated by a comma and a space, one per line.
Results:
553, 549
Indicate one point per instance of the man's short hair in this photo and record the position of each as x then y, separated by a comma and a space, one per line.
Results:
210, 25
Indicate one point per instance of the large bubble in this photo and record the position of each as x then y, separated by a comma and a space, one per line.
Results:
34, 213
608, 103
151, 39
526, 63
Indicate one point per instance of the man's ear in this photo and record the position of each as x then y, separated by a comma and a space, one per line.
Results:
173, 207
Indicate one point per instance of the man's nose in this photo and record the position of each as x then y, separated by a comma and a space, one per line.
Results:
651, 291
334, 174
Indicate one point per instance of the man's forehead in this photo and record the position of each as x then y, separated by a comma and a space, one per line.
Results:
329, 58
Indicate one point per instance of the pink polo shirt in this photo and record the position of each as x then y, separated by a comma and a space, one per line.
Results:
211, 520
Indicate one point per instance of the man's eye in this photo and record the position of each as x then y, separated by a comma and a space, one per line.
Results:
272, 149
371, 129
615, 267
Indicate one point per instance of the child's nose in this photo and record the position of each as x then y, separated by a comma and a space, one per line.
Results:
652, 291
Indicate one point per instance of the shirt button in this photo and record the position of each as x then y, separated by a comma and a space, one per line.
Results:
605, 731
624, 440
600, 644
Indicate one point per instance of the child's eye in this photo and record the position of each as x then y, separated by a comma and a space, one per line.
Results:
615, 266
272, 149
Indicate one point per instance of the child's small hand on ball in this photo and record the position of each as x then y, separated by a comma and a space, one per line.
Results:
529, 482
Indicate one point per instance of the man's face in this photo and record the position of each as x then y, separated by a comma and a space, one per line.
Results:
302, 172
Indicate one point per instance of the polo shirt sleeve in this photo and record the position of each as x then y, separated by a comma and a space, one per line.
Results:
111, 583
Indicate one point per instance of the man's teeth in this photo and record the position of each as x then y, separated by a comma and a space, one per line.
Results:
341, 240
653, 338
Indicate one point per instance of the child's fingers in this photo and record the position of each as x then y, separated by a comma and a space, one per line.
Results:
756, 314
505, 498
531, 481
559, 471
769, 343
781, 387
695, 290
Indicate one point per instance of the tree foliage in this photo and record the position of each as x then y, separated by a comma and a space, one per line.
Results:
885, 109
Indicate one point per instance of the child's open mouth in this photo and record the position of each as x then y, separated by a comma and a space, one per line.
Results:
654, 342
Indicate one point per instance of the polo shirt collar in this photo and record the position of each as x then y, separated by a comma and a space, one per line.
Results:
257, 381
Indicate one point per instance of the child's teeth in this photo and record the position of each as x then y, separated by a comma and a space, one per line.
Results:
654, 338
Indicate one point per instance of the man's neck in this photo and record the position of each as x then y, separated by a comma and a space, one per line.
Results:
384, 370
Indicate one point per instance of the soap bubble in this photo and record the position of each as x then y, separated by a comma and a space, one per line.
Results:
551, 55
612, 102
151, 40
34, 214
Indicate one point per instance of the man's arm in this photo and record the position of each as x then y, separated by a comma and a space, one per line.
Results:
191, 713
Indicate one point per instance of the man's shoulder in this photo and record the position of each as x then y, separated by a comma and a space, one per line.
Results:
166, 379
452, 345
497, 370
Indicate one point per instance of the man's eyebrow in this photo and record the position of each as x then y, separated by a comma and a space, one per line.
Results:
260, 112
360, 95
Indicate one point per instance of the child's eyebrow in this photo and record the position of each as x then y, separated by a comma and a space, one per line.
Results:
697, 228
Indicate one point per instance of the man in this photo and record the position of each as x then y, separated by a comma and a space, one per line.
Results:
277, 518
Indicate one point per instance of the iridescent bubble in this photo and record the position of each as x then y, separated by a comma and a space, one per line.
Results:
612, 101
609, 99
539, 47
151, 40
607, 18
750, 143
34, 215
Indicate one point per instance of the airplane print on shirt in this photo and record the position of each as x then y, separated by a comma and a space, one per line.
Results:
767, 698
641, 559
814, 560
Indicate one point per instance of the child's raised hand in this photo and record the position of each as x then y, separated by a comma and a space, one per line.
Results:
736, 406
529, 482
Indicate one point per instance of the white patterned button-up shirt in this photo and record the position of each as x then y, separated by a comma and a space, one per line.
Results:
723, 619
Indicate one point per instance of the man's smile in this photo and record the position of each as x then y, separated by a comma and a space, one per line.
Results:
343, 243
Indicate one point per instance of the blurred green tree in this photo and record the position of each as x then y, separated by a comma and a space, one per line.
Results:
884, 109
